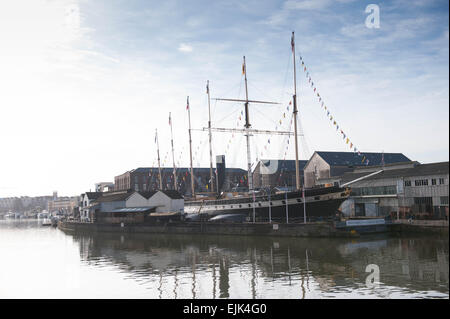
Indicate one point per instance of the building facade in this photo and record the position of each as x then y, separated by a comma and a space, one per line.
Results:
399, 190
63, 205
324, 165
130, 201
147, 179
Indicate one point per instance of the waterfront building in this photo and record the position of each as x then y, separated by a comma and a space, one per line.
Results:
400, 190
123, 203
63, 205
86, 200
325, 165
24, 203
146, 179
273, 173
165, 201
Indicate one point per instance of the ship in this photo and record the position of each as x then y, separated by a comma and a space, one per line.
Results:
315, 204
301, 204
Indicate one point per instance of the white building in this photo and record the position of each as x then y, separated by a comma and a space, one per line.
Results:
165, 201
158, 201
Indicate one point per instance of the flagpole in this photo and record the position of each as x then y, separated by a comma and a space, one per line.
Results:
173, 155
159, 163
190, 149
210, 138
304, 205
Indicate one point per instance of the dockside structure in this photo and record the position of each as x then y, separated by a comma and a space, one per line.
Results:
146, 179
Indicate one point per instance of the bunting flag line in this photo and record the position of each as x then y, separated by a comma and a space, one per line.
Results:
329, 115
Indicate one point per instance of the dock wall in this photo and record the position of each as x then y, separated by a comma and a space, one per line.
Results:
437, 227
281, 230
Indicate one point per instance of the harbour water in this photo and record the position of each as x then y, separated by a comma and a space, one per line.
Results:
45, 262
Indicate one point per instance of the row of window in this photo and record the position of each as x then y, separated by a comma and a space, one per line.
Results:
377, 190
424, 182
429, 200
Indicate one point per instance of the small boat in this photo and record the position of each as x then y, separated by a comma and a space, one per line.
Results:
54, 221
46, 222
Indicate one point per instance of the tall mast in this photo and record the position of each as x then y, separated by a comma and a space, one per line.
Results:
294, 98
159, 163
190, 149
247, 130
210, 138
173, 155
247, 126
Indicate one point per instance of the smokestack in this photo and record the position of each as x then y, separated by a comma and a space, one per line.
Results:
220, 166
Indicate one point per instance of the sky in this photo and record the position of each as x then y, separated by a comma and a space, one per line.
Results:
84, 84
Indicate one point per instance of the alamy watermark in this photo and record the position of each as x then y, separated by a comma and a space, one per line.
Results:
373, 279
373, 19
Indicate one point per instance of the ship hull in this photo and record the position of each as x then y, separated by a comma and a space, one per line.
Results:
318, 204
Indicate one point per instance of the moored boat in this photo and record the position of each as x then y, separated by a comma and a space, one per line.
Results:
316, 204
308, 204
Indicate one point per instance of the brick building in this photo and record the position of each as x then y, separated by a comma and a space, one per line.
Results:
146, 179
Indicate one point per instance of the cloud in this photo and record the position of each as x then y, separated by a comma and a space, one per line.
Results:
185, 47
307, 4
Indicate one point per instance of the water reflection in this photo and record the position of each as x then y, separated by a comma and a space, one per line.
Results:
43, 262
261, 267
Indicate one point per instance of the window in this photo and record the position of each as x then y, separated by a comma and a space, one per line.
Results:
433, 181
421, 182
423, 200
376, 190
444, 200
441, 181
407, 183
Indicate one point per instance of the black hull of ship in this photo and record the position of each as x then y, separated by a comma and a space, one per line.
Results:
321, 204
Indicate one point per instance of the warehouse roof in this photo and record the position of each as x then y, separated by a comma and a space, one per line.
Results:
148, 194
286, 165
93, 195
441, 168
353, 159
115, 196
165, 170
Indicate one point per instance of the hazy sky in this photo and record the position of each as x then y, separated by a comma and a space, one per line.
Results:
84, 84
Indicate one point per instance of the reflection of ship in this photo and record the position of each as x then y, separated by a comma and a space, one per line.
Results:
327, 263
313, 203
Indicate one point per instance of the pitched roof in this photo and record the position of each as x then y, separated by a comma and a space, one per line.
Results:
441, 168
93, 195
114, 196
148, 194
286, 165
353, 159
